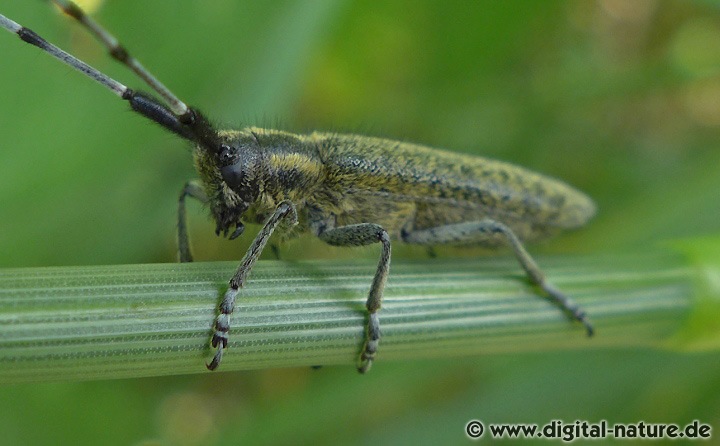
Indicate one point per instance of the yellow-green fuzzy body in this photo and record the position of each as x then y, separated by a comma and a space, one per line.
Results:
400, 186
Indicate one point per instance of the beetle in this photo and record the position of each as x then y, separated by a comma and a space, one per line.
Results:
347, 190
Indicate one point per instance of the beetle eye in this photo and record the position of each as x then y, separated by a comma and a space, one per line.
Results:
232, 175
230, 168
226, 155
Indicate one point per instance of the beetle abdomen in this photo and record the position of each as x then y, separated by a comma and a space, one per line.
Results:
452, 188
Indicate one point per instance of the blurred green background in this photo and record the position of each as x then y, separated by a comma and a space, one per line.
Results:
619, 98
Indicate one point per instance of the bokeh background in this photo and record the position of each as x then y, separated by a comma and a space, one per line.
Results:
619, 98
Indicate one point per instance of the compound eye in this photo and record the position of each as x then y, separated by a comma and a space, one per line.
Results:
232, 175
230, 168
226, 155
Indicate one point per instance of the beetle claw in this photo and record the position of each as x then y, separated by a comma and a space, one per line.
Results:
239, 229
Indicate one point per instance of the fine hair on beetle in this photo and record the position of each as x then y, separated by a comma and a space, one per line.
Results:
347, 190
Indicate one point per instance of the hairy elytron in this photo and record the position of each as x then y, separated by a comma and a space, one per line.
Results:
348, 190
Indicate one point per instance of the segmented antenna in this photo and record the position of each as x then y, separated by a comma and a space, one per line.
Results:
119, 53
175, 106
174, 115
29, 36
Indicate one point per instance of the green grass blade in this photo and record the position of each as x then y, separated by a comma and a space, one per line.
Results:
80, 323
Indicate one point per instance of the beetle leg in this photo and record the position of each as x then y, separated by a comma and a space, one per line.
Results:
222, 324
492, 232
194, 190
360, 235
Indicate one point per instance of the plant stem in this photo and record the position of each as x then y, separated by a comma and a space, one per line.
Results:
97, 322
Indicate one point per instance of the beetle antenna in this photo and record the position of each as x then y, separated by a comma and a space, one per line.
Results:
119, 53
29, 36
176, 116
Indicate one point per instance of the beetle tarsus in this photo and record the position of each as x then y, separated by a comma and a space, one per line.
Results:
216, 359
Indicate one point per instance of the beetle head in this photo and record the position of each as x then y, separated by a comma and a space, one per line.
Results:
228, 170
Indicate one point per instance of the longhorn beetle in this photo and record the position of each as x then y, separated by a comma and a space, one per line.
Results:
348, 190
